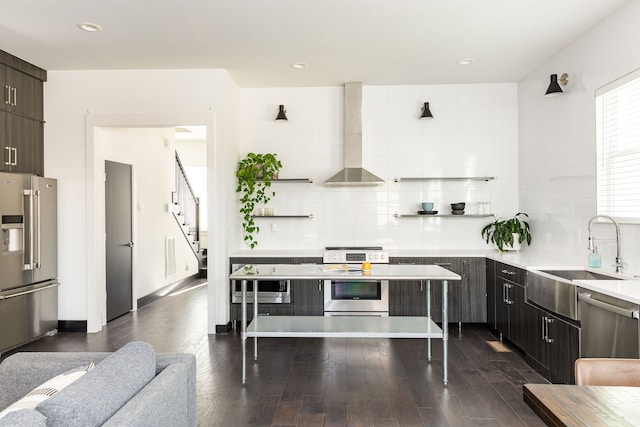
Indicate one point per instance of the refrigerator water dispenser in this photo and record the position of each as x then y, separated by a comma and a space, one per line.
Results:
12, 233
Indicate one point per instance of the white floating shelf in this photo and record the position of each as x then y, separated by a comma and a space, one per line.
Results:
397, 215
444, 178
294, 180
310, 216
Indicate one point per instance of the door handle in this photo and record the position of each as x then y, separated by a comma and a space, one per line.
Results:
549, 322
15, 157
38, 230
7, 98
621, 311
130, 244
15, 96
8, 162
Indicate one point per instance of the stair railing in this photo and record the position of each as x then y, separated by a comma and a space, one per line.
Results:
187, 204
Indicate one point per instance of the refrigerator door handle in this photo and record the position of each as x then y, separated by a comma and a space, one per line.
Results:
29, 264
38, 230
31, 291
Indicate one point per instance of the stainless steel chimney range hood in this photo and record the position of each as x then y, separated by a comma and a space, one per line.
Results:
353, 173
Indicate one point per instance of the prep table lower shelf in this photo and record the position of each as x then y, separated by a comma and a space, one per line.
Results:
343, 327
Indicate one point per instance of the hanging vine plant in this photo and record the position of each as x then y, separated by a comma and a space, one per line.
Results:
254, 174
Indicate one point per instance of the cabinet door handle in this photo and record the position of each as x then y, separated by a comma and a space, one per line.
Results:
319, 285
549, 321
8, 162
511, 273
7, 96
420, 285
544, 334
15, 96
15, 157
505, 293
443, 264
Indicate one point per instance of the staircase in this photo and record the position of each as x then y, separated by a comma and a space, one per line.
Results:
187, 212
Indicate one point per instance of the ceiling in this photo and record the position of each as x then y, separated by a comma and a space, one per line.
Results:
377, 42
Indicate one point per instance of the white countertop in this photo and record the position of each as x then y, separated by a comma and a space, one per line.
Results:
332, 271
628, 289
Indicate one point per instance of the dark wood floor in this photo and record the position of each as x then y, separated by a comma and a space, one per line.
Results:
332, 382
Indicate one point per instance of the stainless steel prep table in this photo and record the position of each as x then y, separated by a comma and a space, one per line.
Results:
343, 327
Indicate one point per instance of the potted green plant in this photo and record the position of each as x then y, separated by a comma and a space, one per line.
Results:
254, 174
508, 234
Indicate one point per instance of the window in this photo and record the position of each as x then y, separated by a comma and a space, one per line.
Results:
618, 148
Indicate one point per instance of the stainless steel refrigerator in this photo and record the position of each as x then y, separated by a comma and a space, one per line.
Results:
28, 259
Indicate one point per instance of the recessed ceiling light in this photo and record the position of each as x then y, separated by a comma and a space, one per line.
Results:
299, 65
89, 27
465, 61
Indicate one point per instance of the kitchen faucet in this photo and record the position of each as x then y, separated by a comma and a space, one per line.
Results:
590, 247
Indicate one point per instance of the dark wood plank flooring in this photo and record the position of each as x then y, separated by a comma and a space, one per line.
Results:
330, 382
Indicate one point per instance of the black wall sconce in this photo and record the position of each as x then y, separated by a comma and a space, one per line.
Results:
554, 88
426, 112
282, 113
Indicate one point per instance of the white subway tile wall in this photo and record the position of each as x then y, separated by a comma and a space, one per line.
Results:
473, 133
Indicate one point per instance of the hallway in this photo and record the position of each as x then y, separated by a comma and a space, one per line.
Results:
332, 382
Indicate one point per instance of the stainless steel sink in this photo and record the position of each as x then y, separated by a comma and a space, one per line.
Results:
579, 275
556, 291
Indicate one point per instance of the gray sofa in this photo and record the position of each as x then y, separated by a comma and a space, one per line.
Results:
133, 386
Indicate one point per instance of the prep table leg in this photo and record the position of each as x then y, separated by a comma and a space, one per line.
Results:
244, 330
445, 330
429, 316
255, 318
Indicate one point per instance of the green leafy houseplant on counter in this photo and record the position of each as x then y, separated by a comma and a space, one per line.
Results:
254, 174
503, 232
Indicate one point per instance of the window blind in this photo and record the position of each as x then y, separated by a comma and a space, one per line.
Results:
618, 148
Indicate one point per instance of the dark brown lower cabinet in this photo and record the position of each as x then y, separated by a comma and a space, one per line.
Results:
510, 313
466, 300
307, 297
491, 293
473, 294
408, 298
553, 345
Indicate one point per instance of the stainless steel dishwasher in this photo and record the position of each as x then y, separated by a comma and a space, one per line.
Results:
609, 326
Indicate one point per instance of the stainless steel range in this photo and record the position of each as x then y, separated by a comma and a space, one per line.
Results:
355, 298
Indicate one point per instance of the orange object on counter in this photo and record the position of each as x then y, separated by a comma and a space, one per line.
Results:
366, 266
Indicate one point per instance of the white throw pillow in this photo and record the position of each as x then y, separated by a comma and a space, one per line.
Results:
48, 389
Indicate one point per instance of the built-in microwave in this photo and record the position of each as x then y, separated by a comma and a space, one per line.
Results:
269, 291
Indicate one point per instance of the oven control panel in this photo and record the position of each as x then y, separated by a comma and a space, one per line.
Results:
342, 257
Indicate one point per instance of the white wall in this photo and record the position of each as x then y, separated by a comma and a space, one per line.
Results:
153, 183
77, 100
474, 133
557, 141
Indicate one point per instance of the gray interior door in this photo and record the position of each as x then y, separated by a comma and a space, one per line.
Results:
119, 244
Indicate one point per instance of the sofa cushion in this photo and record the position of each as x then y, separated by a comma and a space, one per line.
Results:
47, 389
23, 418
163, 402
96, 396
